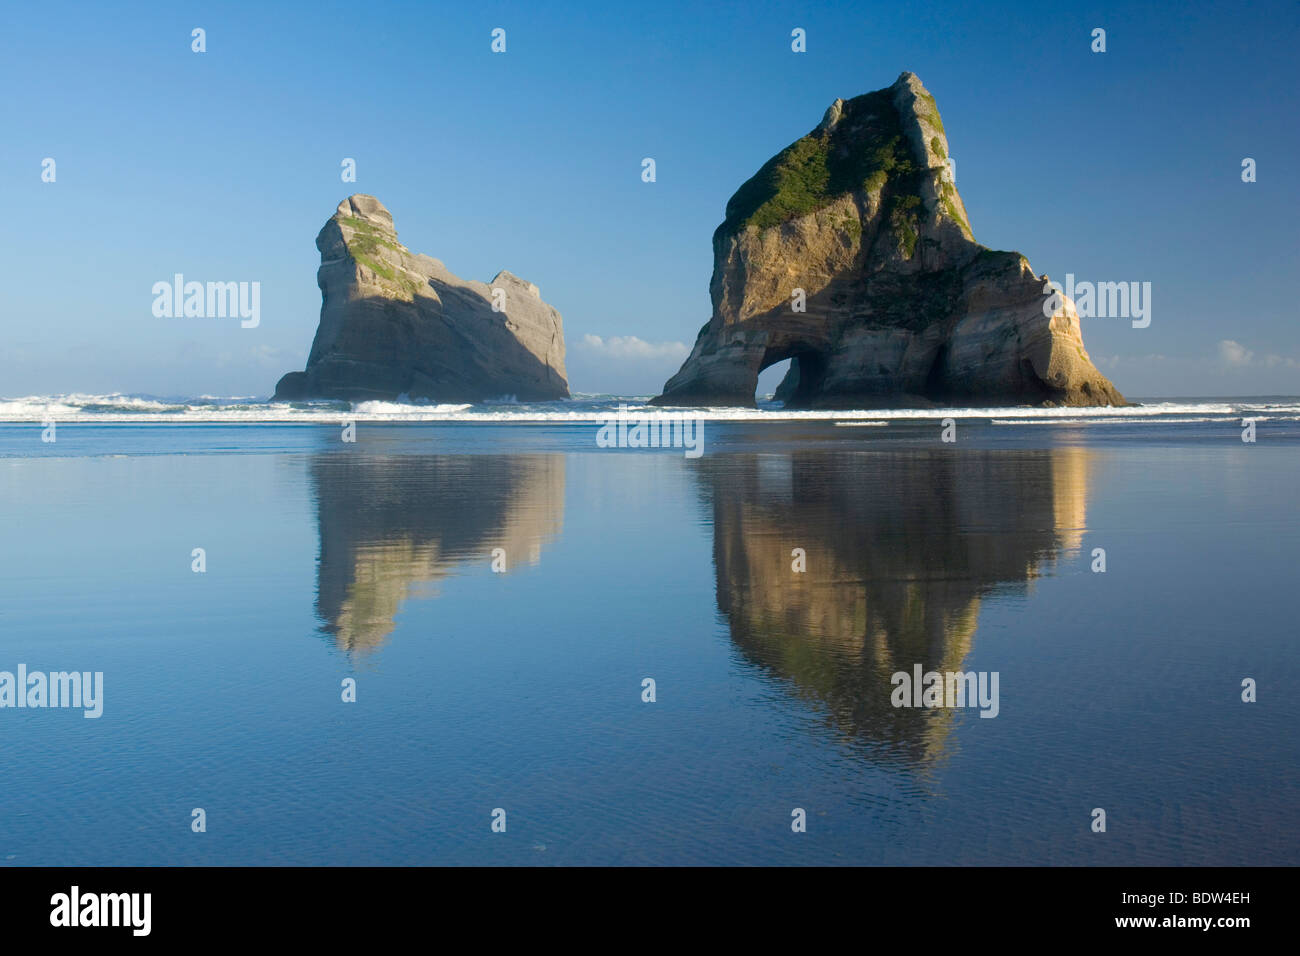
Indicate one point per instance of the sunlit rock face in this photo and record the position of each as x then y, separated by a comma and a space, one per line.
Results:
394, 527
861, 222
396, 324
902, 549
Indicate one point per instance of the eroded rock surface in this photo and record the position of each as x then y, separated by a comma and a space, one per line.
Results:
903, 306
396, 324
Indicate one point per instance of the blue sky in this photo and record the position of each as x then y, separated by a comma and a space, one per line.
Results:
224, 165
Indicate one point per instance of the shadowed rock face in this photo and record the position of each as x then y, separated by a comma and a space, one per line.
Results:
393, 526
393, 323
903, 306
901, 551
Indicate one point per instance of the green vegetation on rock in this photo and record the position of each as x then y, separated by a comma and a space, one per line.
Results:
947, 199
930, 111
902, 220
852, 226
364, 246
366, 238
864, 150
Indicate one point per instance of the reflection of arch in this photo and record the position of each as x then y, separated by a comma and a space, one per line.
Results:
392, 524
902, 548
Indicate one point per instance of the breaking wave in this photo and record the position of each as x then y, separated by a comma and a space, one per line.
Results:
585, 408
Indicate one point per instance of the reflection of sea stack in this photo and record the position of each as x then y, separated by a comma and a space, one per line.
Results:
901, 549
391, 524
902, 305
393, 323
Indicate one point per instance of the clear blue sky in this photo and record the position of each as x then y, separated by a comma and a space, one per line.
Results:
224, 165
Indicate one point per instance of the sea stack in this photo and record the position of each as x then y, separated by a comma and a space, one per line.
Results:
901, 306
395, 324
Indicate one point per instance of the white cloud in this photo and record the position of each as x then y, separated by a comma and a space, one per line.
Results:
1273, 361
1234, 353
631, 348
1238, 356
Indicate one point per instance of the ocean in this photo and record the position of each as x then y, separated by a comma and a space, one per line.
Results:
475, 634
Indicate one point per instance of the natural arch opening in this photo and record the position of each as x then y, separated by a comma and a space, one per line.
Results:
769, 380
791, 376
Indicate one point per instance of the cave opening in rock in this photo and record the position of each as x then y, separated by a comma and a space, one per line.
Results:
935, 380
791, 376
769, 380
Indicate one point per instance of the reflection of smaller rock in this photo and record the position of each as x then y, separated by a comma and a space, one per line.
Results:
393, 527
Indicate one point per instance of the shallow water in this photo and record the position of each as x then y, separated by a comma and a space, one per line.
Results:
522, 690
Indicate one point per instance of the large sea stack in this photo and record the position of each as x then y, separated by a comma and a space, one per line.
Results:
903, 306
395, 324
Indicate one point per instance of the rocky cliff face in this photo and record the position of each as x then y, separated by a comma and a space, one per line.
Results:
903, 306
393, 323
